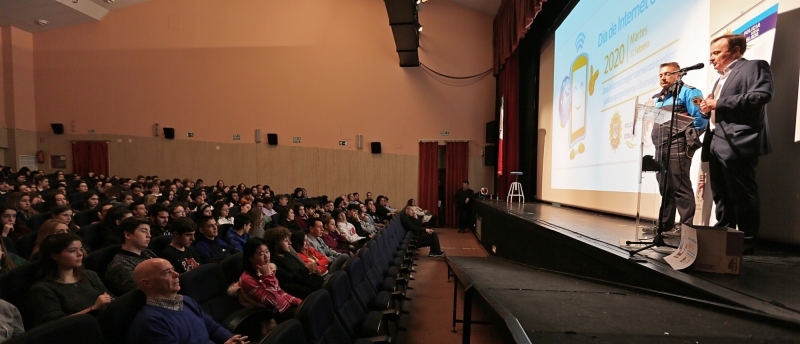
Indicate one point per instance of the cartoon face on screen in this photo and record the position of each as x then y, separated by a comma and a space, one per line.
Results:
579, 93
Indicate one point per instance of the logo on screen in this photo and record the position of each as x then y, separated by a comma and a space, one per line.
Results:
579, 41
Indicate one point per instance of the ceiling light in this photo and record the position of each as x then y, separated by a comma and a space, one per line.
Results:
419, 28
110, 1
42, 22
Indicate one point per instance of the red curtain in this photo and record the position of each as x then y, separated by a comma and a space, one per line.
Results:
513, 19
457, 165
508, 82
428, 177
90, 156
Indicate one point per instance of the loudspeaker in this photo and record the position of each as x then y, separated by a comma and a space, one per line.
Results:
359, 141
492, 132
490, 156
58, 128
169, 133
272, 139
258, 135
376, 147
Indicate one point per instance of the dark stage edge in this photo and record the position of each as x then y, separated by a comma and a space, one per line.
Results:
552, 307
586, 243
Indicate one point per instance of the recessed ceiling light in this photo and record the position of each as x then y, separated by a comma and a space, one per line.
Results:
42, 22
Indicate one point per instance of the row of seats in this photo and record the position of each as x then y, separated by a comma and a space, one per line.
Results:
356, 304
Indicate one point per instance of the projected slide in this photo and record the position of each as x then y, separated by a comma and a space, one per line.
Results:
607, 53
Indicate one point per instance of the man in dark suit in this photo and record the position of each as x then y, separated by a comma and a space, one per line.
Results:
738, 134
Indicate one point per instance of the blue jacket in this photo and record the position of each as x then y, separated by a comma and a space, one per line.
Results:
688, 102
236, 241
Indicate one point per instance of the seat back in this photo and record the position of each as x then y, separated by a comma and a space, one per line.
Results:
78, 329
85, 217
115, 321
361, 287
223, 230
98, 260
89, 235
319, 321
349, 311
374, 276
26, 243
37, 220
159, 243
232, 211
289, 331
208, 286
233, 267
14, 287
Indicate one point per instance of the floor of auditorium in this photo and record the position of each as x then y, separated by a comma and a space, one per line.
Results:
431, 310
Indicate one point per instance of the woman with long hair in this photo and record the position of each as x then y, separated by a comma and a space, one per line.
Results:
109, 233
300, 215
150, 199
8, 260
90, 200
64, 287
21, 201
66, 215
286, 219
257, 223
258, 283
48, 228
221, 214
307, 253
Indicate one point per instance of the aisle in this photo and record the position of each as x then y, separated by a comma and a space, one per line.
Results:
432, 305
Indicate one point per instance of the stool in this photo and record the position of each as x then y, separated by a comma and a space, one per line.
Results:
516, 189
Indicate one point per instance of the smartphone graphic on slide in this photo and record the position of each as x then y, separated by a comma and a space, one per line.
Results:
579, 89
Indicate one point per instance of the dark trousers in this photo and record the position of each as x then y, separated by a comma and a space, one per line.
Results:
432, 240
735, 192
676, 189
463, 218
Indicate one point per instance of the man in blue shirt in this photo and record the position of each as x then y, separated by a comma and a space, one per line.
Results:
171, 318
673, 179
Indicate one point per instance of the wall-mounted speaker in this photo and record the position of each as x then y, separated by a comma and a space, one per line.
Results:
58, 128
359, 141
492, 132
490, 156
272, 139
376, 147
155, 130
258, 135
169, 133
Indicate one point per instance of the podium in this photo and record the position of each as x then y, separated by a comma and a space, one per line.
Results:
656, 132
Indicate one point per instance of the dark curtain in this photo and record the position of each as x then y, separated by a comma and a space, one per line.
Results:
508, 83
457, 165
428, 177
513, 19
90, 156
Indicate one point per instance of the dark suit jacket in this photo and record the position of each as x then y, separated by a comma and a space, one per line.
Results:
741, 129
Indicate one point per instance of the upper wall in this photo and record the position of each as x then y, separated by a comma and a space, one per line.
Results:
323, 70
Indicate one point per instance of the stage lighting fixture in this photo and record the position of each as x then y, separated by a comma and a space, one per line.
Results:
419, 28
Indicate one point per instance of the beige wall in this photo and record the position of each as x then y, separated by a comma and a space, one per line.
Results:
320, 70
18, 109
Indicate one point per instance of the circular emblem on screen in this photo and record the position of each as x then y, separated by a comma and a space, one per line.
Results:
564, 102
615, 131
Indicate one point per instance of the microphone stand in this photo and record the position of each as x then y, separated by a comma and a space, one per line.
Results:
658, 239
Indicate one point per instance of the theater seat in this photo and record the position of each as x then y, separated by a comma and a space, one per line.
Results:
14, 287
85, 217
77, 329
320, 323
159, 243
38, 220
26, 243
362, 288
115, 321
355, 320
233, 267
98, 260
288, 332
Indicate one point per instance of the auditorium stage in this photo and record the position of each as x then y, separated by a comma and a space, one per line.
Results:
586, 243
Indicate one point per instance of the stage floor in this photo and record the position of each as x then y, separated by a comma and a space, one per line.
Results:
770, 276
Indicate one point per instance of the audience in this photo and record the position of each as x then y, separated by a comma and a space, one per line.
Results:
109, 233
315, 232
221, 214
295, 276
8, 218
48, 228
180, 253
425, 236
259, 222
64, 287
259, 285
334, 239
168, 317
10, 321
159, 220
21, 201
208, 244
346, 229
8, 260
300, 216
239, 234
134, 251
308, 254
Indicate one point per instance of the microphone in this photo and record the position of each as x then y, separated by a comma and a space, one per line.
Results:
686, 69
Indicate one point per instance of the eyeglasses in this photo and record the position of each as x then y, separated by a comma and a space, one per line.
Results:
179, 212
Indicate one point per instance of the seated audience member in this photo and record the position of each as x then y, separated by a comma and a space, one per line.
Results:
102, 212
205, 210
176, 210
149, 200
90, 200
210, 246
258, 222
127, 199
8, 217
10, 321
180, 253
269, 205
295, 276
308, 254
168, 317
334, 239
328, 208
64, 287
425, 236
41, 182
65, 214
55, 198
8, 260
366, 221
340, 203
354, 219
221, 213
134, 251
286, 219
427, 219
138, 209
315, 232
258, 284
159, 220
22, 203
239, 234
384, 212
311, 210
198, 199
346, 229
109, 233
300, 216
48, 228
282, 203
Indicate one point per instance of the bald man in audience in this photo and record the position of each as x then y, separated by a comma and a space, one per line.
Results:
168, 317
